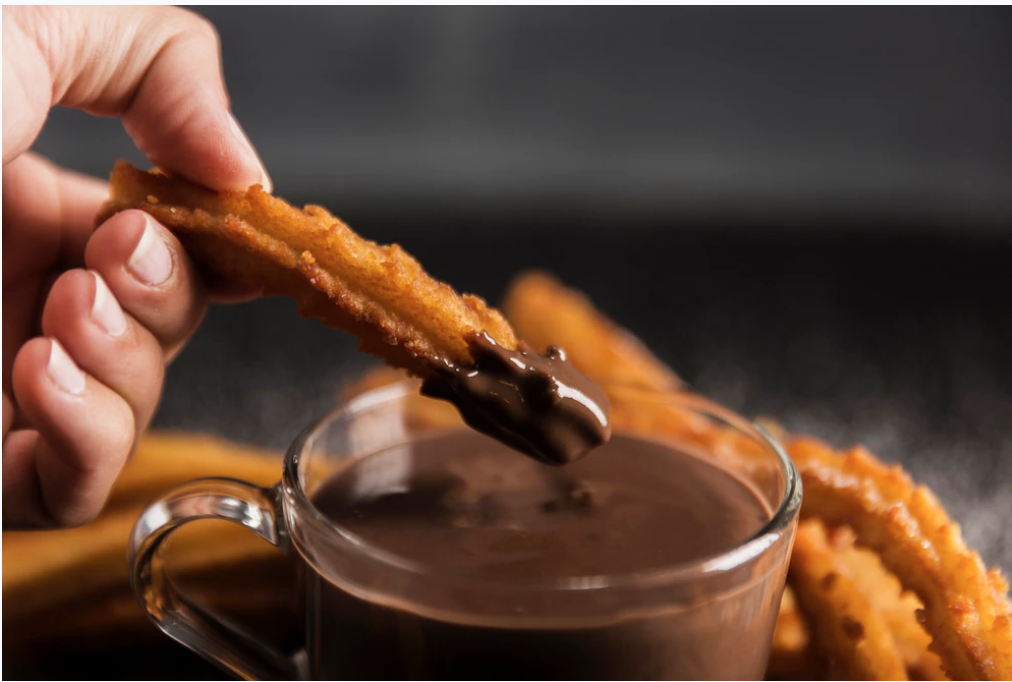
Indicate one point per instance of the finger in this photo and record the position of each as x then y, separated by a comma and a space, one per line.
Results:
84, 316
22, 496
85, 433
158, 68
150, 276
52, 212
48, 217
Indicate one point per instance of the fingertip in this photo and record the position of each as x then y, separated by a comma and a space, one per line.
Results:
86, 423
255, 166
43, 371
63, 372
72, 292
116, 237
210, 147
150, 274
28, 373
179, 115
90, 329
133, 241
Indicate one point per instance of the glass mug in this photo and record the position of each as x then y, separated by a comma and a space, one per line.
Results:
369, 613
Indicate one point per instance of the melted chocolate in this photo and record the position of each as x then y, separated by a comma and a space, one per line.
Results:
537, 404
461, 501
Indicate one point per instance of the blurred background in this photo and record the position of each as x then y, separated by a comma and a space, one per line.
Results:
808, 213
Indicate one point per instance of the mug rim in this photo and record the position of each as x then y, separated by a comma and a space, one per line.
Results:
750, 549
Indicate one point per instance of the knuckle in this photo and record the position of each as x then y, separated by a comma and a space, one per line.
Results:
194, 26
208, 31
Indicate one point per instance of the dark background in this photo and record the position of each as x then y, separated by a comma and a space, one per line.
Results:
808, 213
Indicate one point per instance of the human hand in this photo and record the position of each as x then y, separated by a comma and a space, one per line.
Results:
90, 317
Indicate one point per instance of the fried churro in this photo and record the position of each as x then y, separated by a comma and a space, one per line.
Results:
898, 607
966, 607
465, 351
851, 634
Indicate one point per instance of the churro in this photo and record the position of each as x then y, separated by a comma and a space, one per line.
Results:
852, 635
465, 351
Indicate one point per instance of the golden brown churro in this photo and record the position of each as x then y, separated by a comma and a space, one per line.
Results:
464, 350
378, 293
898, 607
851, 634
966, 607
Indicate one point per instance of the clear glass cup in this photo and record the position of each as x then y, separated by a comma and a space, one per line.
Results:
371, 614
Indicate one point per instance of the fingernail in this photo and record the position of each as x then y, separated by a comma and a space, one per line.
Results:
62, 370
105, 310
240, 135
151, 262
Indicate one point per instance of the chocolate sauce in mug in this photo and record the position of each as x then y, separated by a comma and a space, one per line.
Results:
461, 503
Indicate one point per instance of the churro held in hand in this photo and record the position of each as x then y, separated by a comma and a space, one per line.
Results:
465, 351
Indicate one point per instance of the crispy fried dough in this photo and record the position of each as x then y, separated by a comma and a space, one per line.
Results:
852, 635
966, 607
379, 293
545, 312
898, 607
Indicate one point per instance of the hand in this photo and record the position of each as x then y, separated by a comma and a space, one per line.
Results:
90, 317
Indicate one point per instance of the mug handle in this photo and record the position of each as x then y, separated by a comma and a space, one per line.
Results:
256, 508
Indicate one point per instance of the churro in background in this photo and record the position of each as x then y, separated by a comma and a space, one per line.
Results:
964, 607
71, 588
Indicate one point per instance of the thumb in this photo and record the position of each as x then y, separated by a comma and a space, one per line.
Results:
158, 68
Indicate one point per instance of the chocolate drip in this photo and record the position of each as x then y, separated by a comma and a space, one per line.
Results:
537, 404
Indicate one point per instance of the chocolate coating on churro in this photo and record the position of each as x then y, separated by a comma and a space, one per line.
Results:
537, 404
